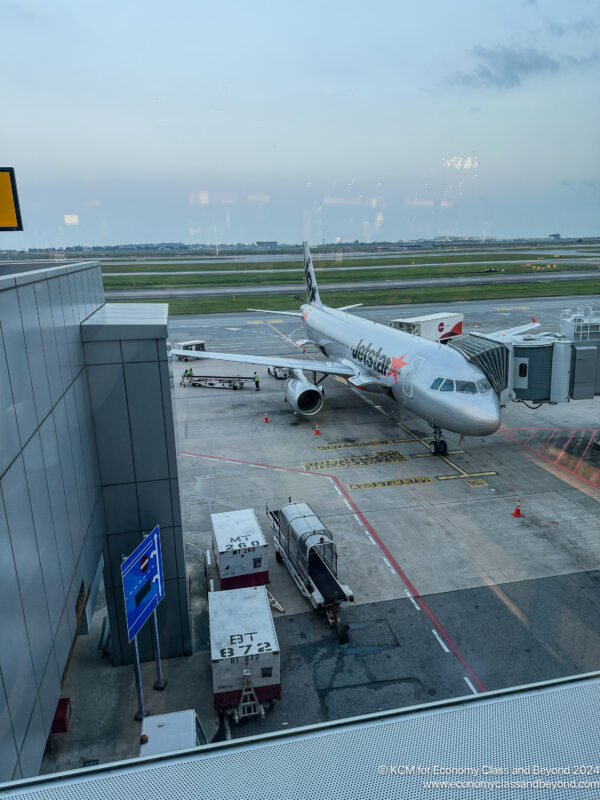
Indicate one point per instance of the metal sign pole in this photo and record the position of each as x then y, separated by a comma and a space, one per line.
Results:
141, 712
160, 682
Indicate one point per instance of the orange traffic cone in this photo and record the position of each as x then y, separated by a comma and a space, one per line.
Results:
517, 511
317, 431
266, 417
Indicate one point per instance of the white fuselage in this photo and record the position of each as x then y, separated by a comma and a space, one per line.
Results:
408, 367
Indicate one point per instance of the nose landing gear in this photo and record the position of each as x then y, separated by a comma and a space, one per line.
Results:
439, 446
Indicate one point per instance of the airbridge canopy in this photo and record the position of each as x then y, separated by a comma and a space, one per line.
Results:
492, 357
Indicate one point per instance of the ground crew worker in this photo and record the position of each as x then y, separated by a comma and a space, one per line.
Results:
257, 381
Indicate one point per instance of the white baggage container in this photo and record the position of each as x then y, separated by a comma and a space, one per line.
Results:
240, 549
435, 327
166, 733
243, 647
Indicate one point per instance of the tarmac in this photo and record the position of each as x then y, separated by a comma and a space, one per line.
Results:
453, 594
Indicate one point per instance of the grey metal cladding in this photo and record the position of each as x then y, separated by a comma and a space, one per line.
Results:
42, 296
146, 413
58, 500
49, 690
16, 357
44, 529
139, 350
8, 748
111, 423
67, 466
18, 674
34, 743
27, 562
60, 333
35, 350
9, 433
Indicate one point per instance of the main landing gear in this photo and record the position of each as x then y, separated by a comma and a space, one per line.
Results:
439, 446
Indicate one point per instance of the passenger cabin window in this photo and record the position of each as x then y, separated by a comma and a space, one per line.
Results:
466, 387
447, 386
437, 383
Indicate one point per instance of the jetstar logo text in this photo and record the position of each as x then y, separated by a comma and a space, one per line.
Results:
377, 360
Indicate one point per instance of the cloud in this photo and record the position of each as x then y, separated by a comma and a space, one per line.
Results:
581, 25
507, 67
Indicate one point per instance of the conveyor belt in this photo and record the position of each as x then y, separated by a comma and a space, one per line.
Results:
324, 580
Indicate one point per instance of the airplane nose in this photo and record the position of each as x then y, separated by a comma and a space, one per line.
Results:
485, 418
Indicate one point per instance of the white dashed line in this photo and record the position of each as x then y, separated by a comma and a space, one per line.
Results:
470, 685
440, 642
347, 504
412, 599
357, 518
337, 490
389, 565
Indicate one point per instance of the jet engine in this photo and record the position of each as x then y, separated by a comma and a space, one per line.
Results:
302, 395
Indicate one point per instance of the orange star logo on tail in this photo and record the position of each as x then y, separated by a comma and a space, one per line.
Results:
397, 363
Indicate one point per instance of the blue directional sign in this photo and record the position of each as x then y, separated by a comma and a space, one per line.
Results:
143, 584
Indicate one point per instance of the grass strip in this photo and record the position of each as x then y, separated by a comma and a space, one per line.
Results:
216, 305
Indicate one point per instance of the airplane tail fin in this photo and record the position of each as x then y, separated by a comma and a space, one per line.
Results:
312, 292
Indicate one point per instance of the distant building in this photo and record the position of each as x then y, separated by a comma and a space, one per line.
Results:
266, 245
555, 236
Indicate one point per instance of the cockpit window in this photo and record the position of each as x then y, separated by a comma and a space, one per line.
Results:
483, 386
447, 386
466, 387
437, 383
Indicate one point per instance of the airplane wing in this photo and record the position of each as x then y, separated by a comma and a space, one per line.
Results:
329, 367
285, 313
519, 329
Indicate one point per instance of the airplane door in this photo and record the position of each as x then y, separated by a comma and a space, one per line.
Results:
410, 372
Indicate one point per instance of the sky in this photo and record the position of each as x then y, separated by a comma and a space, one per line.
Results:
204, 122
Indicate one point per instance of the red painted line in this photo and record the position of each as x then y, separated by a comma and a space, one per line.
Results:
556, 460
405, 579
586, 449
550, 461
548, 439
532, 435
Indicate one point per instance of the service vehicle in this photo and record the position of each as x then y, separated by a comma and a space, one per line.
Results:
217, 381
239, 549
434, 327
167, 733
196, 345
308, 551
281, 373
244, 652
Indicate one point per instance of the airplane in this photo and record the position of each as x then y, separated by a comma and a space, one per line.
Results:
429, 379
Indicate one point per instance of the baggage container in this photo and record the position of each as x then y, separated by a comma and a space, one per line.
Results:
239, 549
167, 733
435, 327
244, 651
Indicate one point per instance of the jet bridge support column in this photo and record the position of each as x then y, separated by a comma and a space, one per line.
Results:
128, 373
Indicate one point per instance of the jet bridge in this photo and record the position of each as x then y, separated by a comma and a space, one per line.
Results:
540, 367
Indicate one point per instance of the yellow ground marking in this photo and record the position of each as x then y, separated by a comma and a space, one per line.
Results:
477, 482
339, 445
465, 475
430, 455
254, 322
384, 484
511, 308
385, 457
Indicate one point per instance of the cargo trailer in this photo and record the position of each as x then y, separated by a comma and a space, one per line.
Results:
244, 652
434, 327
239, 549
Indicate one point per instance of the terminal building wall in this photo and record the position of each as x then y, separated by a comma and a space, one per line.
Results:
51, 512
87, 465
